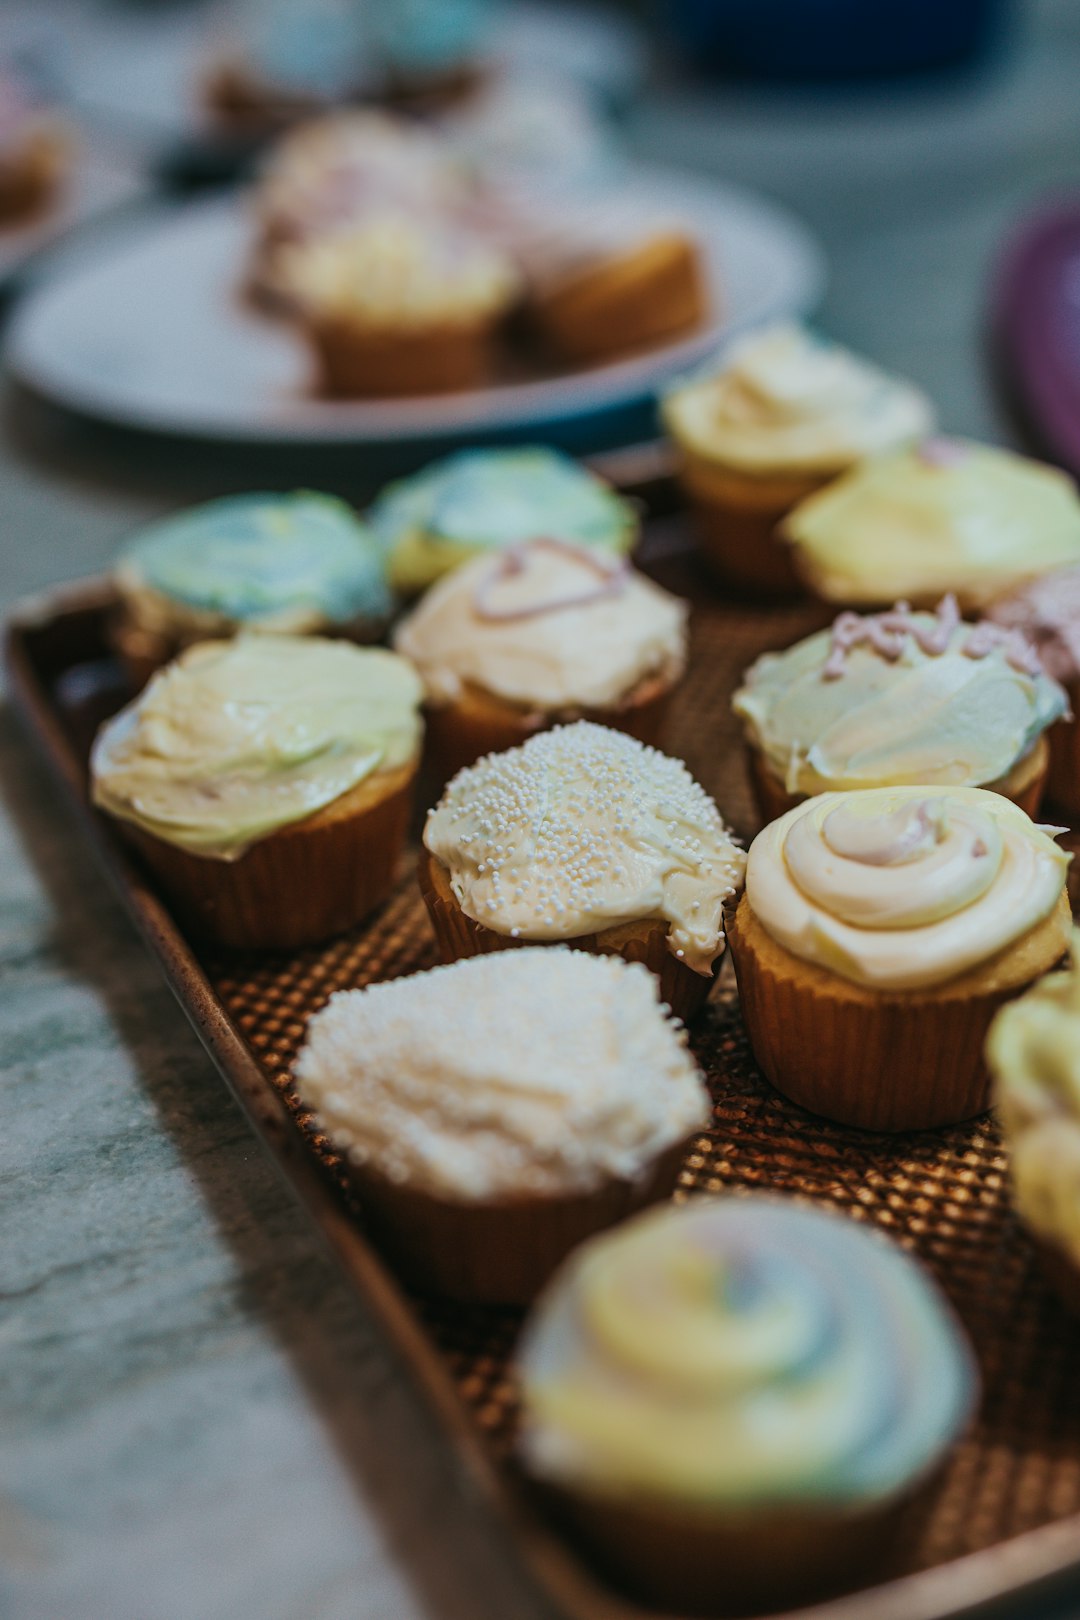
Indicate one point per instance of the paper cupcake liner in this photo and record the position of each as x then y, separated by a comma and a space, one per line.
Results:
736, 521
1063, 777
358, 361
302, 883
459, 935
624, 302
503, 1251
1060, 1271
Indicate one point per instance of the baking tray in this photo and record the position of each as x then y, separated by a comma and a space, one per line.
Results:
1004, 1519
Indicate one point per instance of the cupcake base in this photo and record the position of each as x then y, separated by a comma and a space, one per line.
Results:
883, 1061
624, 302
1061, 1272
304, 882
736, 519
30, 179
644, 941
1063, 776
357, 361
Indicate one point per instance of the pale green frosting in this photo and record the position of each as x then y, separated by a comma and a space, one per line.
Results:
742, 1352
949, 515
236, 739
943, 718
1033, 1050
483, 500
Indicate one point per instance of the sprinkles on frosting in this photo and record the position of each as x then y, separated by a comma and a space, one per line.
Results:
887, 634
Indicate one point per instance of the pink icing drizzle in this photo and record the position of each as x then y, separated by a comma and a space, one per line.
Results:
886, 633
611, 575
941, 452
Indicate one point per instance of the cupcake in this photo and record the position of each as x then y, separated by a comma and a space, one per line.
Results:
1033, 1050
945, 515
34, 154
1047, 611
495, 1113
733, 1401
266, 783
288, 563
584, 835
785, 414
485, 500
899, 698
879, 933
546, 632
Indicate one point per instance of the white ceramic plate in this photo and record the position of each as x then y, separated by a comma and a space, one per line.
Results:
146, 328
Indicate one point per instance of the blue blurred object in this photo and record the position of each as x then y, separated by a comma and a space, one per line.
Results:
833, 39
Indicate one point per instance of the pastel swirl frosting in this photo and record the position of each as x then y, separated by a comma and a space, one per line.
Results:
902, 888
236, 739
785, 400
1033, 1050
742, 1352
899, 697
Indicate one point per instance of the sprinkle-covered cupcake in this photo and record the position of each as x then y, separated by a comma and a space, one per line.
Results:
495, 1113
732, 1401
899, 698
879, 933
586, 836
485, 500
300, 563
544, 633
1033, 1050
266, 782
1047, 612
945, 515
785, 414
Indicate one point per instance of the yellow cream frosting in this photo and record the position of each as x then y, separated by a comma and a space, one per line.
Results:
1033, 1050
903, 888
948, 515
785, 401
545, 624
236, 739
582, 828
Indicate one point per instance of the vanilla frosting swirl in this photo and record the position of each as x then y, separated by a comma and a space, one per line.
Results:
521, 1073
545, 624
582, 828
786, 401
902, 888
742, 1352
236, 739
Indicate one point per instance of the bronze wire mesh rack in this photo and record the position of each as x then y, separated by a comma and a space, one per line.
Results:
943, 1195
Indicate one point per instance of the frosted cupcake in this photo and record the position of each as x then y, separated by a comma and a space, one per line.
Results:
879, 933
732, 1401
899, 697
266, 782
1047, 612
486, 500
299, 563
495, 1113
584, 836
1033, 1050
547, 632
785, 414
946, 515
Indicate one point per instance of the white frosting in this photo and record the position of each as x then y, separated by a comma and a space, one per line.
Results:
548, 625
582, 828
522, 1072
902, 888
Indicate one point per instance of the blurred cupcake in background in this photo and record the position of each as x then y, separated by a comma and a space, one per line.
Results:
1047, 611
785, 413
277, 563
35, 153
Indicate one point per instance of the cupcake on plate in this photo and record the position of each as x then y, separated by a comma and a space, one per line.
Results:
899, 698
266, 782
584, 836
300, 563
1047, 611
785, 414
545, 633
879, 933
495, 1113
944, 515
732, 1401
1033, 1050
486, 500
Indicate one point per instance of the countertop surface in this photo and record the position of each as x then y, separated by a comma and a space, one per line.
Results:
198, 1421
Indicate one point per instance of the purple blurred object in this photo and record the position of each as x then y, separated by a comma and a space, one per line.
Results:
1035, 318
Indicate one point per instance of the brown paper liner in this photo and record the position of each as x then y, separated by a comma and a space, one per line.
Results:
896, 1061
1024, 784
1063, 777
302, 883
31, 178
357, 361
736, 518
625, 302
645, 941
501, 1252
248, 105
1060, 1271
